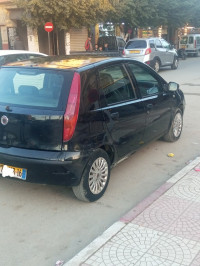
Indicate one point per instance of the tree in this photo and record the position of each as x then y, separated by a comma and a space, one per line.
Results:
65, 14
137, 13
194, 19
173, 13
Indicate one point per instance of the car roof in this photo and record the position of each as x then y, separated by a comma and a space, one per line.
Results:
65, 62
8, 52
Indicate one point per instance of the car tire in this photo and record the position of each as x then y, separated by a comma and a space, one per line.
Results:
95, 177
197, 53
156, 65
175, 63
184, 56
176, 126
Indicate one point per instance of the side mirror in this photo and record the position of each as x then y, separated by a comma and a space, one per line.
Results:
173, 86
172, 47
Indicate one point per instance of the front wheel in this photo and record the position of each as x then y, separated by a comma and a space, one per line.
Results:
175, 63
95, 177
175, 130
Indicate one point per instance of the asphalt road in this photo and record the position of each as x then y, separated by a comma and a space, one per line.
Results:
41, 224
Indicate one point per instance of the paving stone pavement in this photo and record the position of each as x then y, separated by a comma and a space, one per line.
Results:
163, 230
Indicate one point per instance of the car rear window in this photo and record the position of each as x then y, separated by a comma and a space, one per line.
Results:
33, 87
136, 44
184, 40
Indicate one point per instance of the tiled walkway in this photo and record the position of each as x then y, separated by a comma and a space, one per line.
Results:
162, 230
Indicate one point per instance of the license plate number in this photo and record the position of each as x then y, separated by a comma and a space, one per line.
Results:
6, 170
135, 52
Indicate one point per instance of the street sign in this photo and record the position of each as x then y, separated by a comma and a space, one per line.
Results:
48, 26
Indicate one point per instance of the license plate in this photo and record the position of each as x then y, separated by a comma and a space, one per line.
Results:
134, 52
6, 170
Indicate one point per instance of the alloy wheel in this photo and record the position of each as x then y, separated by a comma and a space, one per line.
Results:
157, 66
98, 175
177, 125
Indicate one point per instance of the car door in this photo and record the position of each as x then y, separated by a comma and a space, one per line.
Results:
190, 45
157, 102
160, 51
124, 113
169, 54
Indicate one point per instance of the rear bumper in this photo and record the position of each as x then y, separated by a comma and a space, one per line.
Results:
192, 51
58, 168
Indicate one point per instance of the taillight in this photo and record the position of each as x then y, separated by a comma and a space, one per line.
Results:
148, 51
72, 109
123, 52
195, 44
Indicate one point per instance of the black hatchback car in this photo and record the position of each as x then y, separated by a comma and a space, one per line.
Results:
68, 120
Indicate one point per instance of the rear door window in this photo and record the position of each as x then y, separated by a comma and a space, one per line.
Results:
33, 87
116, 85
152, 44
32, 56
14, 58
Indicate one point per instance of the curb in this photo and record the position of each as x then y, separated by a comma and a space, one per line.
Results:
89, 250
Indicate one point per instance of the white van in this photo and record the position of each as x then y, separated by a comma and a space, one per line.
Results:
191, 44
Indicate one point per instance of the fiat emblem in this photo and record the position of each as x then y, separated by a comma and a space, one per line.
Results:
4, 120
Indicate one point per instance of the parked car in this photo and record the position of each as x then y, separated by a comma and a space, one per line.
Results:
9, 56
69, 120
191, 44
155, 52
115, 43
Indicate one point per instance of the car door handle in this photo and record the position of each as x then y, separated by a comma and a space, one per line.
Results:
149, 106
115, 116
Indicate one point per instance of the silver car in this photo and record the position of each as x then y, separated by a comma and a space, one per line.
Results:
155, 52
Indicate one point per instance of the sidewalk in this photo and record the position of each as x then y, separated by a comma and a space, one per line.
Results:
164, 229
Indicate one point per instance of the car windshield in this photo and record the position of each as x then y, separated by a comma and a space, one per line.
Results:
136, 44
184, 40
32, 87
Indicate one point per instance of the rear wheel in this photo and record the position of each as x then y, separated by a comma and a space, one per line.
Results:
175, 63
175, 130
156, 65
198, 53
95, 177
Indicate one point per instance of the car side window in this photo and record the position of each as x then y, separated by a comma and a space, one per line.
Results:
90, 92
191, 39
151, 43
158, 44
2, 60
148, 85
165, 44
115, 84
14, 58
31, 56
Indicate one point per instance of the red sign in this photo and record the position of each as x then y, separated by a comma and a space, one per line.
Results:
48, 26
